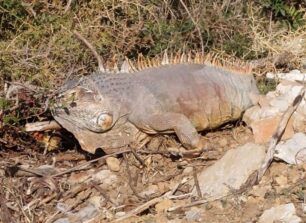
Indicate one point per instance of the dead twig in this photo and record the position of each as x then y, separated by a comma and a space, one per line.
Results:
92, 49
78, 167
279, 133
68, 6
42, 126
34, 172
103, 193
78, 201
137, 157
5, 214
196, 182
199, 202
130, 178
152, 202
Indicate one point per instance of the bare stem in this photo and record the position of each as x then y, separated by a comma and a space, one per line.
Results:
92, 49
196, 25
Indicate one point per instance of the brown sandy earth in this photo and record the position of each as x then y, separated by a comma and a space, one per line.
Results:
28, 197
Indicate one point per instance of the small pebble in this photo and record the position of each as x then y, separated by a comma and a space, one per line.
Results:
113, 164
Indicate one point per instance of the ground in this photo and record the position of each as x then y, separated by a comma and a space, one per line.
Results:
30, 198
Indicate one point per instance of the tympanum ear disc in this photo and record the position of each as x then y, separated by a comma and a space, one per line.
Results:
105, 121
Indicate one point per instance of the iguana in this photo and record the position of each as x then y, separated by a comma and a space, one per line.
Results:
181, 95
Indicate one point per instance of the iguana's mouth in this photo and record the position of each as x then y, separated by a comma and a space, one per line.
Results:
89, 141
110, 141
76, 118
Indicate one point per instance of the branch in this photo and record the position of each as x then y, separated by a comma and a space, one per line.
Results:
152, 202
68, 6
279, 133
92, 49
42, 126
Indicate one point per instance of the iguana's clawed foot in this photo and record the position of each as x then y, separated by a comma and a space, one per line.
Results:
181, 151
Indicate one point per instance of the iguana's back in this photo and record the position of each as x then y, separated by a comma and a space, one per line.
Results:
206, 95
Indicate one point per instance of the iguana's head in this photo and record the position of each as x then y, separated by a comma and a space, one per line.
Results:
84, 108
87, 115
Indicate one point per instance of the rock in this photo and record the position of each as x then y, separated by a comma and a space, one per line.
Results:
293, 151
299, 121
257, 113
151, 190
120, 214
304, 167
294, 75
260, 191
188, 170
295, 175
288, 90
163, 205
83, 215
281, 180
77, 178
163, 186
96, 201
106, 177
264, 129
193, 215
264, 119
283, 213
113, 164
280, 103
231, 171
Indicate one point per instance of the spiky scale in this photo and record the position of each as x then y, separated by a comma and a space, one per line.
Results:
165, 60
125, 67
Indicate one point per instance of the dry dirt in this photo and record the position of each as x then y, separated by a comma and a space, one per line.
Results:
28, 197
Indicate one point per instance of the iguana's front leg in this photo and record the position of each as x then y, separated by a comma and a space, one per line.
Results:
172, 122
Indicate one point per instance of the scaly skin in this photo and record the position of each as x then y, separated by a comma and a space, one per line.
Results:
182, 99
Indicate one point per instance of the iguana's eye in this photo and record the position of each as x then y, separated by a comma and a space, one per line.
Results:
105, 121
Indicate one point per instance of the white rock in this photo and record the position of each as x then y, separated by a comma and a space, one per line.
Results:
231, 171
269, 112
282, 88
299, 121
294, 75
294, 91
96, 201
107, 177
302, 108
194, 215
292, 151
271, 75
280, 103
152, 189
62, 220
188, 170
120, 214
283, 213
83, 215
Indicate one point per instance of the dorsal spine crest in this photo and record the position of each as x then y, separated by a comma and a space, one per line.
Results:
210, 59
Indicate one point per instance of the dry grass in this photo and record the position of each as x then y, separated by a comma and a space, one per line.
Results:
37, 44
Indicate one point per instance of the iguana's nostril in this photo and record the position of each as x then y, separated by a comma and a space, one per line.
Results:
73, 104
